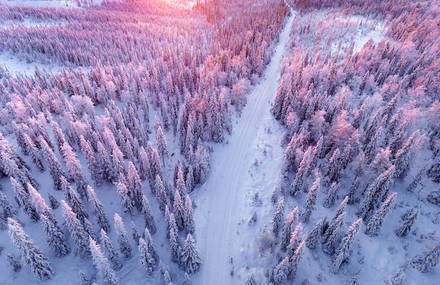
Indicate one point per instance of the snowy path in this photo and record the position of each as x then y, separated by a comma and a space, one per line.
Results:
222, 201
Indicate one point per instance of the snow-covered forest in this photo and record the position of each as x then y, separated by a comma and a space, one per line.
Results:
219, 142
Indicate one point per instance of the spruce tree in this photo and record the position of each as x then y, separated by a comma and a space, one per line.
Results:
295, 240
31, 254
189, 219
145, 257
8, 209
174, 239
311, 200
278, 216
23, 199
134, 233
289, 224
55, 236
406, 223
73, 200
160, 193
126, 202
376, 221
76, 229
98, 209
179, 210
149, 219
189, 258
102, 264
281, 271
134, 185
331, 195
344, 250
124, 245
331, 234
294, 261
315, 234
110, 251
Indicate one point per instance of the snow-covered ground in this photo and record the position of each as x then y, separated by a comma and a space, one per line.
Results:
18, 66
224, 202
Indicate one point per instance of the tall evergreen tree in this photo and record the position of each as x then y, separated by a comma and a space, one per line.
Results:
110, 251
179, 210
102, 264
331, 234
145, 257
174, 239
149, 219
311, 200
124, 245
406, 223
98, 209
189, 219
31, 254
425, 262
344, 250
189, 258
289, 224
76, 229
376, 221
278, 216
315, 234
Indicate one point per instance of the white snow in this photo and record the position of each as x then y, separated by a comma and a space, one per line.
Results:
18, 66
224, 199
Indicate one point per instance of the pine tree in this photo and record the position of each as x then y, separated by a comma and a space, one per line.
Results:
315, 234
295, 240
331, 234
73, 200
416, 181
311, 200
76, 229
189, 219
98, 209
403, 156
74, 168
278, 216
92, 162
102, 264
344, 250
289, 224
331, 195
160, 193
149, 219
55, 236
134, 233
297, 184
161, 144
134, 185
281, 271
149, 241
407, 221
31, 254
124, 245
54, 204
376, 221
190, 259
180, 182
145, 257
23, 199
126, 202
179, 210
54, 165
174, 239
294, 261
375, 193
8, 209
353, 190
426, 261
110, 251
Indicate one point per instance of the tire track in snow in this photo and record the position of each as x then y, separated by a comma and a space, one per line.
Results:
223, 195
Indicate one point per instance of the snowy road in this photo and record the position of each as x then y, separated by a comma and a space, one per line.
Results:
222, 199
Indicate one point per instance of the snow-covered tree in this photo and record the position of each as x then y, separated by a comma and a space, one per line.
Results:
23, 199
160, 193
98, 209
102, 264
31, 254
124, 245
315, 234
376, 221
179, 210
149, 219
134, 185
295, 240
288, 228
189, 257
145, 257
76, 229
124, 195
74, 201
55, 236
278, 216
281, 271
406, 223
7, 208
161, 144
331, 234
110, 251
311, 200
329, 200
344, 250
14, 263
294, 261
189, 219
174, 239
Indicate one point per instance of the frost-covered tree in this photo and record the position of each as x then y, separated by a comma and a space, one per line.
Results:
315, 234
160, 192
98, 209
403, 156
74, 168
124, 245
376, 221
134, 185
149, 219
124, 195
52, 161
406, 223
281, 271
297, 184
295, 240
55, 236
76, 229
110, 251
31, 254
73, 200
179, 210
344, 250
174, 239
7, 208
189, 219
145, 257
331, 234
134, 233
294, 261
278, 216
161, 144
54, 204
23, 199
425, 262
329, 200
102, 264
311, 200
189, 257
288, 228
